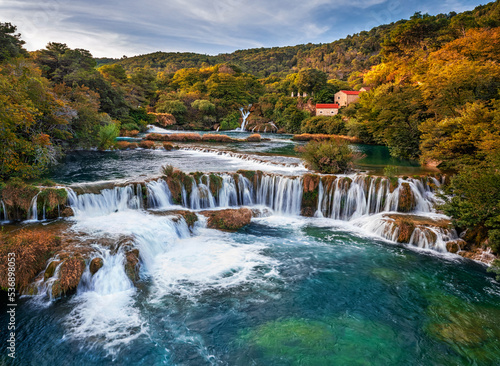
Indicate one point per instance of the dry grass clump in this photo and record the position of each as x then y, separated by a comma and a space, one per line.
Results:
126, 133
147, 144
181, 137
32, 249
323, 137
123, 145
71, 273
168, 146
254, 138
216, 138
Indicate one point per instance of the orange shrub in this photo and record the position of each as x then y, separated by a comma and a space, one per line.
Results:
322, 137
147, 144
123, 145
126, 133
254, 138
216, 138
168, 146
32, 249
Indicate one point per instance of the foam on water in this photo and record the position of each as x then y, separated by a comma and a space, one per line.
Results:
104, 314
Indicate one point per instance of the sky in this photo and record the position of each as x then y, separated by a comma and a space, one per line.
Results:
114, 28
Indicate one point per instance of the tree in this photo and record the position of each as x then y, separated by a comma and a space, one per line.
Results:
175, 107
468, 139
392, 114
310, 81
30, 116
473, 203
11, 45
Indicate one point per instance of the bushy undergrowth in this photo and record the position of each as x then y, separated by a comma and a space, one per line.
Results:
330, 157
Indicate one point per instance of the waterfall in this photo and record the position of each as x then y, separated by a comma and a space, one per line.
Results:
104, 203
347, 198
244, 115
159, 195
5, 214
282, 194
340, 198
104, 306
33, 211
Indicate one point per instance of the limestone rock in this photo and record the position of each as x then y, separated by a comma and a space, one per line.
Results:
228, 220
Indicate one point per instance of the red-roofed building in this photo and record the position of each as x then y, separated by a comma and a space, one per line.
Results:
346, 97
327, 109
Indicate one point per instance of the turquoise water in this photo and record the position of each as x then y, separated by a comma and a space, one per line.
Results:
282, 291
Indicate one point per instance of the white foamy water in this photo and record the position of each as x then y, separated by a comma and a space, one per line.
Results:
104, 314
210, 261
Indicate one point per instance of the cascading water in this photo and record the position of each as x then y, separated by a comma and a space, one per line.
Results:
104, 203
244, 116
33, 211
5, 213
104, 306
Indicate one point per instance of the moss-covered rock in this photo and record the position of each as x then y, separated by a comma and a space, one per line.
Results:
51, 268
70, 273
455, 246
228, 220
95, 265
17, 197
132, 265
407, 200
52, 200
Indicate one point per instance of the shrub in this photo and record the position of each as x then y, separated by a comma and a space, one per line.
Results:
322, 137
331, 157
254, 138
168, 146
132, 133
231, 121
107, 136
216, 138
167, 170
32, 249
123, 145
147, 144
133, 145
130, 127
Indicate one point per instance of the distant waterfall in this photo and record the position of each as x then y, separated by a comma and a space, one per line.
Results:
244, 116
5, 214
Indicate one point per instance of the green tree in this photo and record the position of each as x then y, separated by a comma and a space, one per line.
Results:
469, 139
11, 44
392, 114
175, 107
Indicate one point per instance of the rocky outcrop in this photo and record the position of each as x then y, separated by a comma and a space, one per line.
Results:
310, 195
95, 265
132, 265
70, 274
228, 220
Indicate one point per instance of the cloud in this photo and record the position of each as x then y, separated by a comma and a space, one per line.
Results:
113, 28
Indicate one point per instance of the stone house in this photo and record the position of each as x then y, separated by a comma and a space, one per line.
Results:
327, 109
345, 97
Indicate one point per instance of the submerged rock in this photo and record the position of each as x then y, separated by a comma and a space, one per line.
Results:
228, 220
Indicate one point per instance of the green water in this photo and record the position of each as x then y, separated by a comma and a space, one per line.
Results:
286, 292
